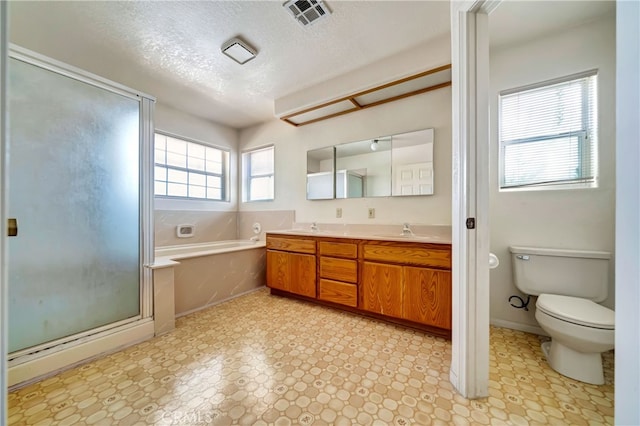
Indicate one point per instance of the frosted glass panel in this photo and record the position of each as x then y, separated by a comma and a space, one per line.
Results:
74, 189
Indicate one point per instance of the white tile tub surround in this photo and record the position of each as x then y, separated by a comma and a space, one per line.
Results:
188, 278
217, 225
164, 317
209, 226
268, 220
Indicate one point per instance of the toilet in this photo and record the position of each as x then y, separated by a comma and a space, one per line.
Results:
569, 284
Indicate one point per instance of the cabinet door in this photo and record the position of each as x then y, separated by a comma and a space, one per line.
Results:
381, 289
427, 296
278, 270
302, 270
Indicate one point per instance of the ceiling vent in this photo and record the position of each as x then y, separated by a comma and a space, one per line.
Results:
239, 51
307, 12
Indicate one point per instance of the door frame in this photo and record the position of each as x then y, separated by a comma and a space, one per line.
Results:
4, 329
627, 247
469, 371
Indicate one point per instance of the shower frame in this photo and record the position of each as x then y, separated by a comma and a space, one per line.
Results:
34, 362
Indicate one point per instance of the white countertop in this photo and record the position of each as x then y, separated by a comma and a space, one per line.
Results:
421, 234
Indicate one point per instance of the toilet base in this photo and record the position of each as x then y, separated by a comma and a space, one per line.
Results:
585, 367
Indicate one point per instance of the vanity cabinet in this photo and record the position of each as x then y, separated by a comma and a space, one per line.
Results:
291, 265
406, 282
338, 272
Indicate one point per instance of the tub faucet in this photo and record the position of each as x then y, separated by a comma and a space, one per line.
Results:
406, 230
255, 238
314, 227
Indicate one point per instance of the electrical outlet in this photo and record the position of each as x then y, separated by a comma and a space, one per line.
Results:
338, 212
372, 213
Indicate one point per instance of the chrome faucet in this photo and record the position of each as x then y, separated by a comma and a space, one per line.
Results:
255, 238
314, 227
406, 230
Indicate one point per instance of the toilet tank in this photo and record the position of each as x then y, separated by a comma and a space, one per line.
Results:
577, 273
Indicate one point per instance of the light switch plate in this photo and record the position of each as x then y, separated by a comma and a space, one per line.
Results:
372, 213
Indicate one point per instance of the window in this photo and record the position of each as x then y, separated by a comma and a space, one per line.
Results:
188, 169
257, 169
548, 134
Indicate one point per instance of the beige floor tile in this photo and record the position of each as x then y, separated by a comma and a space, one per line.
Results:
261, 359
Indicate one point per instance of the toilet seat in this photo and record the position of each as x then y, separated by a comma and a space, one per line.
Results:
576, 310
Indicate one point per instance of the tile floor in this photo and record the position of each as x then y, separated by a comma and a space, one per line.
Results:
261, 359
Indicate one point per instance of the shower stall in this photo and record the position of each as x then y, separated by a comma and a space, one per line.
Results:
78, 203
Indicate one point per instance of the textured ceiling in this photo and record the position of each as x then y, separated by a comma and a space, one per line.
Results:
172, 49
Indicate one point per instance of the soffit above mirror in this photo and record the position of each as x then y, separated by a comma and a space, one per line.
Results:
416, 84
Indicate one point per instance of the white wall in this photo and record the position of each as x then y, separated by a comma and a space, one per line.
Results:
432, 109
580, 218
179, 123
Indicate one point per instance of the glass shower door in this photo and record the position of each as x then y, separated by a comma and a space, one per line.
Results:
74, 191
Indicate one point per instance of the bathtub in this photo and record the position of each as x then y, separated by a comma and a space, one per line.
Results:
203, 249
210, 273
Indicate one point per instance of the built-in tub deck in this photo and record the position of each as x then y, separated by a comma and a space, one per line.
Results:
188, 278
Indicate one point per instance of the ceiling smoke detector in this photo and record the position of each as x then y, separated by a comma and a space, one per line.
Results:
239, 51
307, 12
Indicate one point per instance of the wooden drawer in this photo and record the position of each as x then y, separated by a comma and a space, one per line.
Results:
339, 269
346, 250
434, 257
297, 245
337, 292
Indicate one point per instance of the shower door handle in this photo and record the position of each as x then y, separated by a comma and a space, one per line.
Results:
12, 227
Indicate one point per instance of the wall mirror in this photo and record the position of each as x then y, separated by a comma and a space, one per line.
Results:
412, 163
396, 165
320, 176
363, 169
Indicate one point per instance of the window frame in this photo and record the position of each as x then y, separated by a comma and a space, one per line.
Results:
245, 158
584, 141
224, 175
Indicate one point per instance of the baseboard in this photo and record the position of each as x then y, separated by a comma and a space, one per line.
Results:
453, 378
191, 311
533, 329
23, 373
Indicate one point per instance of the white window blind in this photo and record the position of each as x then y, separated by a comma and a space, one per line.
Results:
548, 133
185, 169
258, 171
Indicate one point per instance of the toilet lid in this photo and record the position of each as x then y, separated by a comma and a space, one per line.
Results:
576, 310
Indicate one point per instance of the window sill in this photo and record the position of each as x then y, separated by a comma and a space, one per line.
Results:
567, 187
258, 201
165, 203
